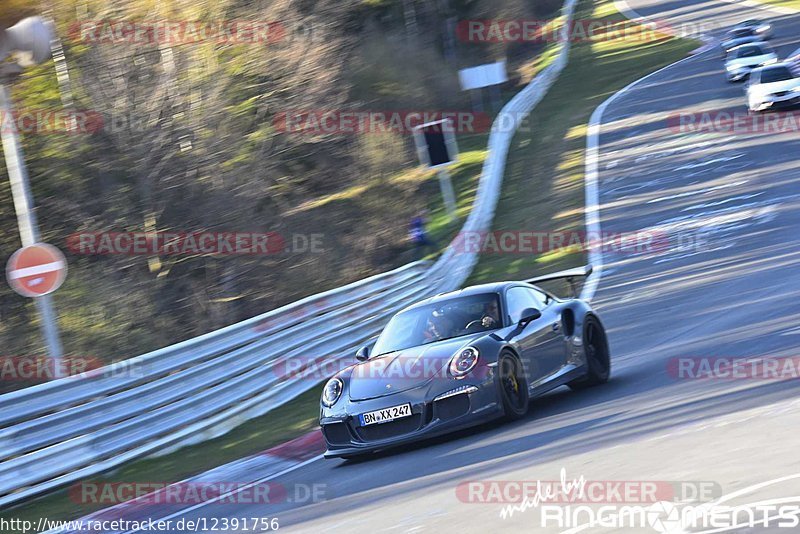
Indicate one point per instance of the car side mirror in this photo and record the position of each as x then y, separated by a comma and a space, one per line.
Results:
528, 315
362, 354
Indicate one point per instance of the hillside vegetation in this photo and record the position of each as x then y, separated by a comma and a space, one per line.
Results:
191, 141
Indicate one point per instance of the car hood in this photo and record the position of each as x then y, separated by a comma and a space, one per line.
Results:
774, 87
740, 41
750, 61
405, 369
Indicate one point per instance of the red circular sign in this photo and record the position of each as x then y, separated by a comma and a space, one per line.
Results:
36, 270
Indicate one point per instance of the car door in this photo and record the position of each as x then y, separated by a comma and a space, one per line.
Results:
540, 343
554, 347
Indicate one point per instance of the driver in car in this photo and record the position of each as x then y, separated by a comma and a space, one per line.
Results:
438, 327
488, 318
491, 315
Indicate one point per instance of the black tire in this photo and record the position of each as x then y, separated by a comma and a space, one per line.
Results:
513, 387
598, 357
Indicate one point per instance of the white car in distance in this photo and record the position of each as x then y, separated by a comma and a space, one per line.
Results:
743, 59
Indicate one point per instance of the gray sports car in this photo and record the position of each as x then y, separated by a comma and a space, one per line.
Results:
461, 358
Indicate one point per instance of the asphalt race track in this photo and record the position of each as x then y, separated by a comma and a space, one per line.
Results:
732, 291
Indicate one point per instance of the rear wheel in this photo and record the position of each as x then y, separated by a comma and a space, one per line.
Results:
598, 358
513, 387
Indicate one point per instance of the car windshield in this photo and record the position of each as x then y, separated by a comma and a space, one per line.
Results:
740, 32
776, 74
743, 33
440, 320
751, 51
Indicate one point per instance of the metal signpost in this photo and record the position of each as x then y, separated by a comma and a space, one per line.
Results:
29, 41
437, 149
490, 75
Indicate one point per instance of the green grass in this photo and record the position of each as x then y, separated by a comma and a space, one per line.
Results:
543, 186
792, 4
542, 191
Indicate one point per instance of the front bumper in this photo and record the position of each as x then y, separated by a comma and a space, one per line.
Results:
429, 417
739, 74
791, 100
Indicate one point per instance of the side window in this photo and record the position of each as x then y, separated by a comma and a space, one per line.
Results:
755, 78
519, 298
542, 297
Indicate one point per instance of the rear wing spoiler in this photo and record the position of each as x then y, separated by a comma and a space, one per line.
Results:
570, 275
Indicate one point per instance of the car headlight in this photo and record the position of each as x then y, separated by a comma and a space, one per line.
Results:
332, 391
464, 361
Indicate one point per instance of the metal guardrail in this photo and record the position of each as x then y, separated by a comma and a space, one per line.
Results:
458, 264
74, 427
63, 431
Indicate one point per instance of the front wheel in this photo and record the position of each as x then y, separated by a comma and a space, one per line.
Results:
598, 358
513, 387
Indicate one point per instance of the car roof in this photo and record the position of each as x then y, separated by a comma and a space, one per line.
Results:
774, 66
493, 287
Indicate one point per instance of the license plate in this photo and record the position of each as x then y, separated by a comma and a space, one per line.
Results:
385, 415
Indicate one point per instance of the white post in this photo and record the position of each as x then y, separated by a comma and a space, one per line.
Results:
449, 196
26, 219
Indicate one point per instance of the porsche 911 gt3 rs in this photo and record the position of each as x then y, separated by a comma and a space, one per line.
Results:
462, 358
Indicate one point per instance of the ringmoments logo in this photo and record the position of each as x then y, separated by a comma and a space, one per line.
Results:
572, 505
